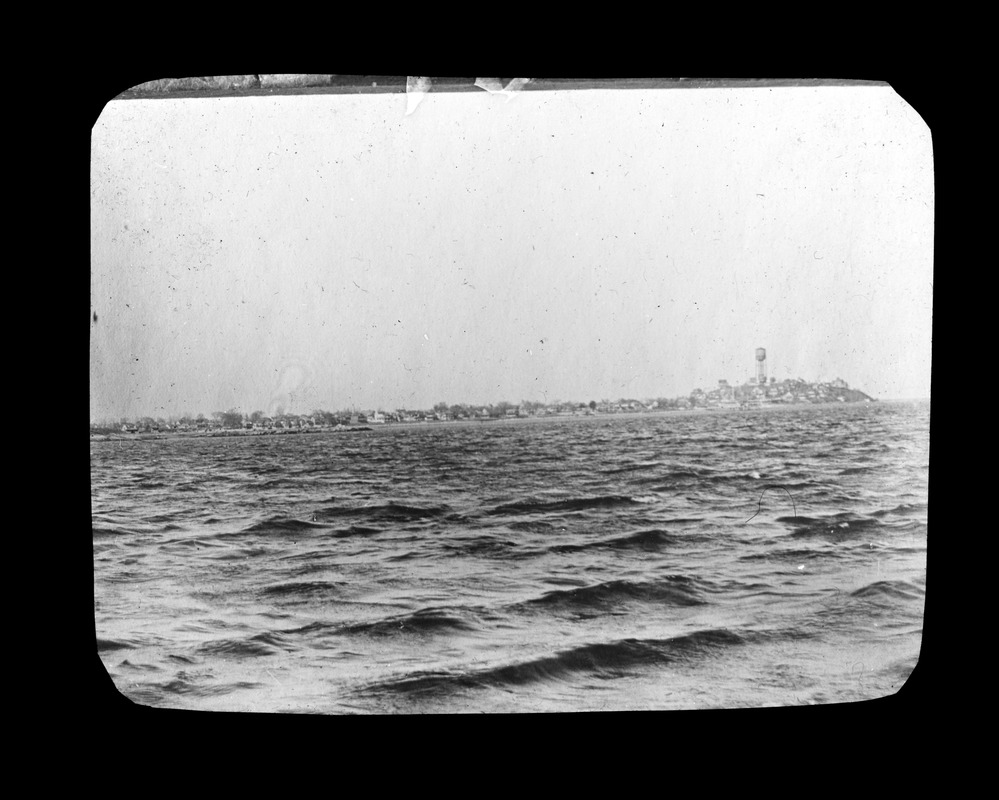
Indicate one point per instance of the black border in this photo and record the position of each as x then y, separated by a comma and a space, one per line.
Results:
819, 733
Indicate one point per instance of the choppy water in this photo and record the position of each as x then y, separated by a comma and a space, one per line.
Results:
604, 563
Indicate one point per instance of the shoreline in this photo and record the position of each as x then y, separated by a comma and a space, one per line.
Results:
362, 428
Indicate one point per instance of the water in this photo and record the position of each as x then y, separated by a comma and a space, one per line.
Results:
666, 561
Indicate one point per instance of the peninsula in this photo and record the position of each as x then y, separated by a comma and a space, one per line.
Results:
724, 396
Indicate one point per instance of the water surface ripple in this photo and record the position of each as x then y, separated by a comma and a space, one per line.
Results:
684, 560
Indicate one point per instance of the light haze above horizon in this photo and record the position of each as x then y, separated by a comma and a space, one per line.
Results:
328, 251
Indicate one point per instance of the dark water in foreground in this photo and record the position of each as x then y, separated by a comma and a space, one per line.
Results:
549, 565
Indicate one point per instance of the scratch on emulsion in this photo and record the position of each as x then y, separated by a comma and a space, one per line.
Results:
759, 505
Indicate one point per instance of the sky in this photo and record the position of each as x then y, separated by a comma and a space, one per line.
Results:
331, 251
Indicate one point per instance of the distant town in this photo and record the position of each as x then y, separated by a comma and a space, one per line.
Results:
757, 392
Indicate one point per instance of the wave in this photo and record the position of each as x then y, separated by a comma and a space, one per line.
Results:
237, 648
281, 524
836, 527
424, 621
386, 576
534, 526
794, 556
191, 541
677, 476
409, 555
184, 685
604, 660
261, 644
302, 588
109, 645
100, 532
570, 504
356, 530
162, 517
385, 512
480, 546
281, 483
905, 509
674, 590
654, 539
272, 639
631, 468
889, 590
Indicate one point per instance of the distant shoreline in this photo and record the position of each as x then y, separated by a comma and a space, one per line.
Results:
354, 429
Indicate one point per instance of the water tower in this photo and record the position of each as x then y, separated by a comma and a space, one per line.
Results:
761, 365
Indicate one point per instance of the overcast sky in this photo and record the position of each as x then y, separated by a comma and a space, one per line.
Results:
329, 251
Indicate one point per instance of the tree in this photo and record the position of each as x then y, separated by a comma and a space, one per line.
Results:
229, 419
593, 405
